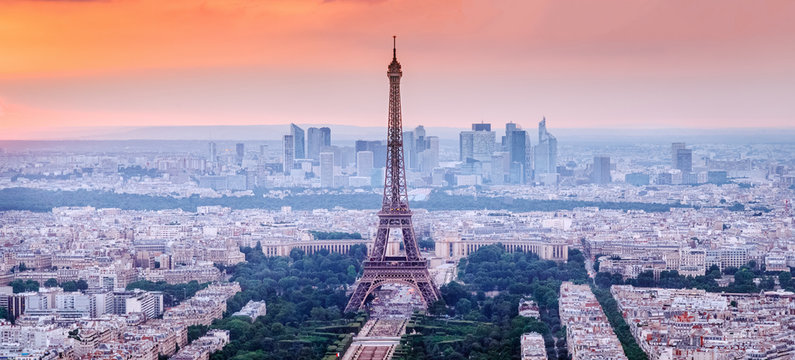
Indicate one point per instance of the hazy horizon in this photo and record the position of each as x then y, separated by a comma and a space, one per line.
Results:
349, 133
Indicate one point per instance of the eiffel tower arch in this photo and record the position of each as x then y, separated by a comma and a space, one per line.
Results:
410, 269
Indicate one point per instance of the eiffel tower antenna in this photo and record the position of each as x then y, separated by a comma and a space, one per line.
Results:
410, 269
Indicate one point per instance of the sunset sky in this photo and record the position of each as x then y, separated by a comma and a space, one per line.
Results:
582, 64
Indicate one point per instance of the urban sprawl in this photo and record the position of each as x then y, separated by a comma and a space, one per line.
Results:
693, 243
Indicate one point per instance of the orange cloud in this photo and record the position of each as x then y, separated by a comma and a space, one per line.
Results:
597, 63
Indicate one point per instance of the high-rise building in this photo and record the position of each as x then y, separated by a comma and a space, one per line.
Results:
518, 147
313, 145
477, 144
483, 142
347, 156
601, 170
364, 163
481, 127
316, 140
409, 150
337, 153
466, 141
500, 167
289, 153
675, 147
684, 160
516, 173
419, 131
518, 153
327, 169
506, 140
213, 154
361, 145
298, 141
430, 156
420, 143
378, 149
240, 151
545, 155
325, 136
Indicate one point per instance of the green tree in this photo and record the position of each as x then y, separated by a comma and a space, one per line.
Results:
296, 254
5, 314
603, 279
196, 331
81, 285
19, 286
785, 279
463, 307
69, 286
452, 292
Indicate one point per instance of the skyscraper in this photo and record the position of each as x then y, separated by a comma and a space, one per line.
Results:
518, 147
481, 127
477, 144
240, 151
378, 149
518, 151
361, 145
433, 146
364, 163
419, 131
316, 140
506, 140
327, 169
289, 153
483, 141
546, 152
675, 147
213, 154
420, 144
500, 167
298, 139
430, 156
684, 160
325, 136
409, 150
466, 141
313, 143
601, 170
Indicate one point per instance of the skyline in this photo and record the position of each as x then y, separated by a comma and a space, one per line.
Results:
610, 65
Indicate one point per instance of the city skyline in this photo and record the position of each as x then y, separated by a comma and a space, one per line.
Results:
151, 220
608, 65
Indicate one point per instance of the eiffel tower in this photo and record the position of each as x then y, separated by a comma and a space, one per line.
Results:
410, 269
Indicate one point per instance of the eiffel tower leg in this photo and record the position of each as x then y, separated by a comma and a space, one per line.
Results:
359, 296
428, 290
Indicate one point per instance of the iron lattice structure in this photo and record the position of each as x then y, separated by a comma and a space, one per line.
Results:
409, 269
